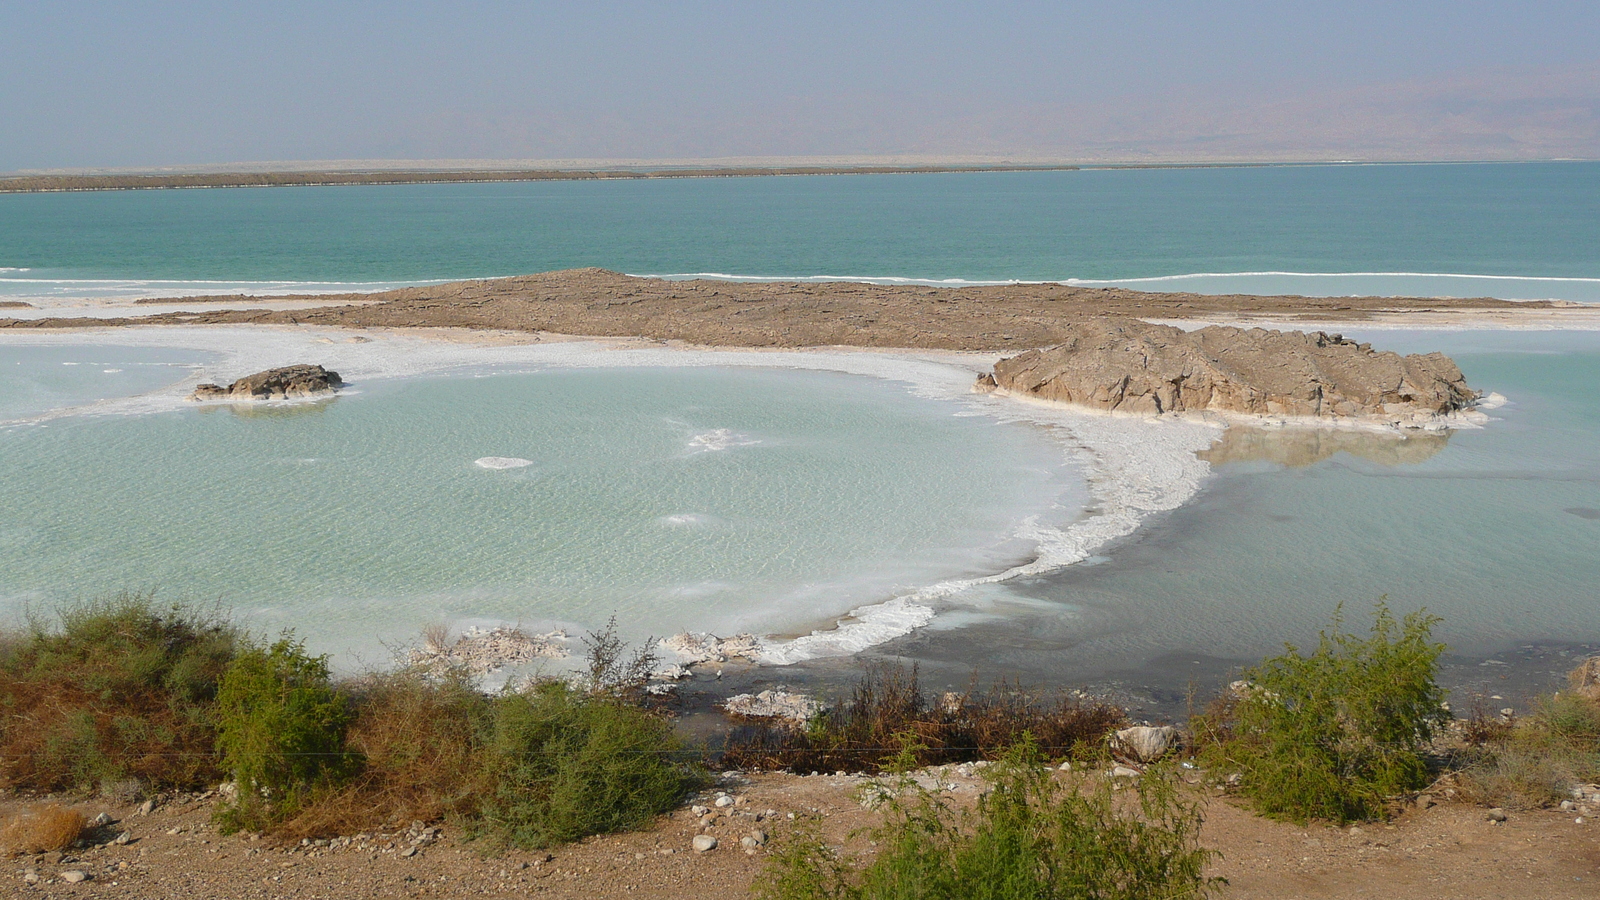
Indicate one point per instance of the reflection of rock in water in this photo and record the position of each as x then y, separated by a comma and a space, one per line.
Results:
270, 410
1304, 446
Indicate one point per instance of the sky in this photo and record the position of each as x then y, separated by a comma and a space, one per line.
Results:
146, 84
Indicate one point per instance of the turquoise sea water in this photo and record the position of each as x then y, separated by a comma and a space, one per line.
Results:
1403, 225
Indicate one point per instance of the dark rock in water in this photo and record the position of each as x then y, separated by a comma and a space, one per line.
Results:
274, 384
1132, 366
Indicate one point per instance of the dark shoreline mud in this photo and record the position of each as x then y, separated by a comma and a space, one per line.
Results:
1165, 688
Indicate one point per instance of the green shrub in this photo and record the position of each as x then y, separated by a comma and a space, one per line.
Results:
1336, 733
1030, 837
560, 764
281, 731
119, 690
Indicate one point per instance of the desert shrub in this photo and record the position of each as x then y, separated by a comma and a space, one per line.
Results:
41, 828
1335, 733
116, 690
418, 742
1029, 836
560, 763
614, 671
887, 704
1538, 761
281, 730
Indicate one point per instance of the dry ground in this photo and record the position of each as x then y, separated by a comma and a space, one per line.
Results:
597, 303
1448, 851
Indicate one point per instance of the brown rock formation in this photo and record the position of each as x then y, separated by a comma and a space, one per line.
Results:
1132, 366
274, 384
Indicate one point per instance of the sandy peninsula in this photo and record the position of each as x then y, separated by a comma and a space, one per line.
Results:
996, 318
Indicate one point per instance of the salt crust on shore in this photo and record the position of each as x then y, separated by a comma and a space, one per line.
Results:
1135, 467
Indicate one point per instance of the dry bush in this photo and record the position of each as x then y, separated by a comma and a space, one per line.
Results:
1483, 725
120, 688
1538, 761
418, 741
41, 828
887, 711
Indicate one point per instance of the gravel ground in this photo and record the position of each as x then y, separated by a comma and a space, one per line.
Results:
1451, 850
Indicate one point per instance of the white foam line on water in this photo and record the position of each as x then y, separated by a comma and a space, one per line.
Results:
1136, 467
1199, 275
1150, 279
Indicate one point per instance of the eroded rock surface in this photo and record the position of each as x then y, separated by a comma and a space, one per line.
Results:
694, 648
283, 383
486, 651
773, 705
1126, 365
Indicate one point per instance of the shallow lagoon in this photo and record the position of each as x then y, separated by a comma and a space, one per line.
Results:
696, 498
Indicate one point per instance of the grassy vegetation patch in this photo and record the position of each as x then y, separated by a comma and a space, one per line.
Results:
1537, 761
1029, 836
887, 709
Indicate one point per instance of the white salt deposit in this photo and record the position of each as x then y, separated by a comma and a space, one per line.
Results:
502, 462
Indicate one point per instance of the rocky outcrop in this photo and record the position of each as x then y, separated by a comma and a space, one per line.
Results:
486, 651
1144, 743
1585, 679
1126, 365
694, 648
797, 708
283, 383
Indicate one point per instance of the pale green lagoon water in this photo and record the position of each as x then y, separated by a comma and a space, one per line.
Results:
671, 498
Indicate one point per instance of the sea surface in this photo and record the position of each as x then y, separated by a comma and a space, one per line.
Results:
1517, 231
731, 497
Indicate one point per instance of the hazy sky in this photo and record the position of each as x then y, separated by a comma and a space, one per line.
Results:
149, 84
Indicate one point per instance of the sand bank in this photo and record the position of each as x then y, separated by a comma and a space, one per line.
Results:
598, 303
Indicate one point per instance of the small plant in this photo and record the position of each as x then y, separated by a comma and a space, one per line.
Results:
615, 672
1030, 836
281, 731
561, 764
1335, 733
41, 828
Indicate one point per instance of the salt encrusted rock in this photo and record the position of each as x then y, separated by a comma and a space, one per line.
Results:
479, 652
1585, 679
699, 647
773, 705
274, 384
1127, 365
1144, 743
